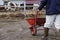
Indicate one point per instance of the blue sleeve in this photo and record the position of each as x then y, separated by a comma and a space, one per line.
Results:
42, 4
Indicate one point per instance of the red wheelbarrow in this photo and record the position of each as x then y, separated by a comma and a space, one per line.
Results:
35, 21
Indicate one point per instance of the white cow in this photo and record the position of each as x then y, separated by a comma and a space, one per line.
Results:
12, 5
35, 6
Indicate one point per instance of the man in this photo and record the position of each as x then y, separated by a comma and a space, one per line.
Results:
52, 14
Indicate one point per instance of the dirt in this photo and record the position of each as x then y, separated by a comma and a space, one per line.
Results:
18, 29
12, 28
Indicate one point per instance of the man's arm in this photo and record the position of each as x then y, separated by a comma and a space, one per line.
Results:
42, 4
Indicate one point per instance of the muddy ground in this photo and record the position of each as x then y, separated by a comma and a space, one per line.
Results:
18, 29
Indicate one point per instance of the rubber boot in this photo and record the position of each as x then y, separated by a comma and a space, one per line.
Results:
46, 30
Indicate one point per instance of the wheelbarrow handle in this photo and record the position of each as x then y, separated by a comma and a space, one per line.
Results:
37, 12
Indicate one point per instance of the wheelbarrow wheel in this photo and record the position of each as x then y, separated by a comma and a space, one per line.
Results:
33, 31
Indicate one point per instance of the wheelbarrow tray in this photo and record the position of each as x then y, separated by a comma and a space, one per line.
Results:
36, 21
